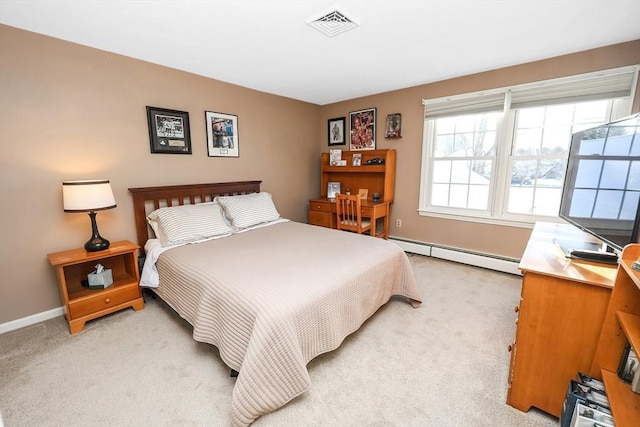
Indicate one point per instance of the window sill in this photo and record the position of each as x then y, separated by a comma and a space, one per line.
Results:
510, 221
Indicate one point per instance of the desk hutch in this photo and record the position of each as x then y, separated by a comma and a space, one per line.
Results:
378, 178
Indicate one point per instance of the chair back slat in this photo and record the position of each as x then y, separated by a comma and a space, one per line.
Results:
349, 214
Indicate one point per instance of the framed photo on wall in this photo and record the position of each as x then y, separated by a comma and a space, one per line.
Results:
394, 126
336, 131
222, 134
169, 131
362, 130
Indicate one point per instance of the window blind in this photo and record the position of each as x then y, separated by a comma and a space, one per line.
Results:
608, 84
465, 104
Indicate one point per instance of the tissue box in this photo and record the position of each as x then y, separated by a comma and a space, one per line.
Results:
100, 280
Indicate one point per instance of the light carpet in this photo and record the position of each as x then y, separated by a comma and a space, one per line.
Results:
443, 364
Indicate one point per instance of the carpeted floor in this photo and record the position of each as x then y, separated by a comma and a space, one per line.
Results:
444, 364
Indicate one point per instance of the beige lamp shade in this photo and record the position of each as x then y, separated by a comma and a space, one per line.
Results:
87, 195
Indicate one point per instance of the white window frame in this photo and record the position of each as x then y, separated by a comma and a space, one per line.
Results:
500, 173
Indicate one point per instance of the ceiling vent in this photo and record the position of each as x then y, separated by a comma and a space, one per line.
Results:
332, 23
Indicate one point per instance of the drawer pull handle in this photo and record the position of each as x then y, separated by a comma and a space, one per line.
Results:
107, 300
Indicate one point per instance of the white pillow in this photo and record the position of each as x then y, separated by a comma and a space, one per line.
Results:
247, 210
188, 223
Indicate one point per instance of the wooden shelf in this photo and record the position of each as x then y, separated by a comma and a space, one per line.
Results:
633, 274
375, 178
625, 404
621, 325
631, 326
356, 169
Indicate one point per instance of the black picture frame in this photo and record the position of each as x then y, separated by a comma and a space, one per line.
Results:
169, 131
222, 134
362, 130
336, 131
393, 128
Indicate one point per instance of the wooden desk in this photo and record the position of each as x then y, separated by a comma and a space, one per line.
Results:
322, 212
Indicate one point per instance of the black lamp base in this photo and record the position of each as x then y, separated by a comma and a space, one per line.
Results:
97, 242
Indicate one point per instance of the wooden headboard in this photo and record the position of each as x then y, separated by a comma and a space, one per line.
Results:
147, 199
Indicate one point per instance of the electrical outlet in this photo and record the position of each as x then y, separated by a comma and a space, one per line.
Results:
398, 223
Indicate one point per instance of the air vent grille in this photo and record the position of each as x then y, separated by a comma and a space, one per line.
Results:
333, 23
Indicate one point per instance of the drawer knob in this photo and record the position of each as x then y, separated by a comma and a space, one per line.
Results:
107, 300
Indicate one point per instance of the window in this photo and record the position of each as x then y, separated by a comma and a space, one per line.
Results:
500, 156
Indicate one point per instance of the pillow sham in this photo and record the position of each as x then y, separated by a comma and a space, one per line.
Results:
188, 223
247, 210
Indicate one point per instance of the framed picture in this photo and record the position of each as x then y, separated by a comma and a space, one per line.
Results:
336, 131
222, 134
333, 188
362, 130
169, 131
393, 126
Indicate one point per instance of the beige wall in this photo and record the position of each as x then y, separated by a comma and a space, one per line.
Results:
492, 239
72, 112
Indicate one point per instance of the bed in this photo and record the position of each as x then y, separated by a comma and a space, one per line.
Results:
269, 293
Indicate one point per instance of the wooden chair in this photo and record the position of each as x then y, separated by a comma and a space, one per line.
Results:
349, 214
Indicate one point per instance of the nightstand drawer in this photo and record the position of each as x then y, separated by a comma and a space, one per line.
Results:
103, 300
320, 207
320, 218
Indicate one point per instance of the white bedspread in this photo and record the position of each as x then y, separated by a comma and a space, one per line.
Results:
274, 298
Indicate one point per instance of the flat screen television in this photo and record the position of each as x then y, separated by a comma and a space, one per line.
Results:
601, 191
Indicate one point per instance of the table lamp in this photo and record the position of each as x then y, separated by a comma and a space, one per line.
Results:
89, 196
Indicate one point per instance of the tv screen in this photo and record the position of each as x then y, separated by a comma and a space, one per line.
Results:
601, 193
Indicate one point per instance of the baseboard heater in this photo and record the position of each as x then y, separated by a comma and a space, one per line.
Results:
477, 259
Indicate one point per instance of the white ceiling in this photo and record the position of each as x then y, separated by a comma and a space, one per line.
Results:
267, 45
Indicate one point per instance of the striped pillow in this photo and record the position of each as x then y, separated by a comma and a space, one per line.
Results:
188, 223
247, 210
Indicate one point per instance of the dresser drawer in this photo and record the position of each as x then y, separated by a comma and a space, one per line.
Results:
320, 218
103, 300
320, 207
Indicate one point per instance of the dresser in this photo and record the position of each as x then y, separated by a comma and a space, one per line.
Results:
375, 178
561, 311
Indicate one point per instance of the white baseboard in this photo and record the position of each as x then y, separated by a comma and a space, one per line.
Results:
30, 320
477, 259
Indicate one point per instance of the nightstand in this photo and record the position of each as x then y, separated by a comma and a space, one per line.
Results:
81, 303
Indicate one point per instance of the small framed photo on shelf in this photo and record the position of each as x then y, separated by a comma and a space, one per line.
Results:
362, 129
393, 127
356, 160
336, 131
169, 131
363, 193
335, 156
333, 188
222, 134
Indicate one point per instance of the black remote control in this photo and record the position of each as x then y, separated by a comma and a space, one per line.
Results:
587, 255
